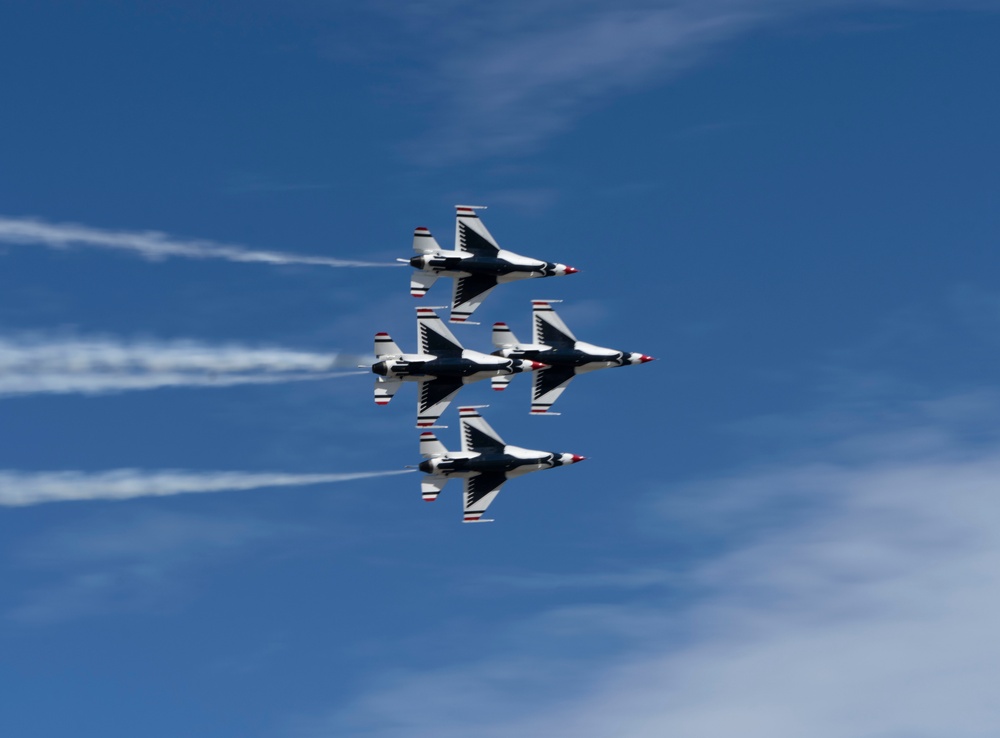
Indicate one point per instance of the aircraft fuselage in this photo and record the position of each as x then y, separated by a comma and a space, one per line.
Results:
422, 366
505, 267
580, 359
521, 461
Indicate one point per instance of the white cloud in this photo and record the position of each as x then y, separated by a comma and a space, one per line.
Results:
513, 76
153, 245
848, 596
127, 561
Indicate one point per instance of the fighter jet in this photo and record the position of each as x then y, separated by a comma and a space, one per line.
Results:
441, 367
484, 464
555, 345
478, 264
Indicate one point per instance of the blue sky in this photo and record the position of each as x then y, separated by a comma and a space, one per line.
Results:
786, 525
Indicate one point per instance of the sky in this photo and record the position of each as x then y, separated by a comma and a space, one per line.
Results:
786, 526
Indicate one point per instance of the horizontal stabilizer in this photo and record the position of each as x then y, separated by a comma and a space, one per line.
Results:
385, 346
420, 282
385, 389
500, 383
423, 241
430, 487
503, 337
431, 446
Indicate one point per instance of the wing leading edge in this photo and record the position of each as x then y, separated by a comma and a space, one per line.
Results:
479, 492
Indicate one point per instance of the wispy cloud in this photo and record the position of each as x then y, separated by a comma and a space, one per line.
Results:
154, 245
514, 76
19, 488
129, 561
845, 595
34, 363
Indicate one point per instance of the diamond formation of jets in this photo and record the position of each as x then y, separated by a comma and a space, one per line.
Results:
477, 264
555, 346
442, 367
484, 464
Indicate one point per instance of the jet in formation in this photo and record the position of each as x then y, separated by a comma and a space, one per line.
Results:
563, 357
477, 264
442, 367
484, 464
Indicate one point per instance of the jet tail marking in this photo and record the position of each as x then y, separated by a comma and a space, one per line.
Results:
431, 486
385, 389
503, 336
424, 242
431, 446
385, 346
420, 282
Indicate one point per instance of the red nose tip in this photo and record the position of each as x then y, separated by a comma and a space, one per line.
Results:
538, 365
643, 359
571, 270
578, 458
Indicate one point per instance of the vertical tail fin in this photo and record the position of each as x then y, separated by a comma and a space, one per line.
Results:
503, 337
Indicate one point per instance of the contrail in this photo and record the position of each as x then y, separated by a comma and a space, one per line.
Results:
32, 364
153, 245
18, 489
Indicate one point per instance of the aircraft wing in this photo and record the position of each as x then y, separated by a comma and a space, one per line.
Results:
546, 386
434, 397
477, 435
548, 328
471, 235
469, 295
480, 491
433, 336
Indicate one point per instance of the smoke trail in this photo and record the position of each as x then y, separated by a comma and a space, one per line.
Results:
31, 488
153, 245
36, 364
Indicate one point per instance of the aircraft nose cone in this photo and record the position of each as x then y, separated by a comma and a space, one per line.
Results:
577, 458
537, 365
643, 359
571, 270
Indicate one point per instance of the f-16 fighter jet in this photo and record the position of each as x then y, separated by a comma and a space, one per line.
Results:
478, 264
484, 464
441, 367
555, 345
